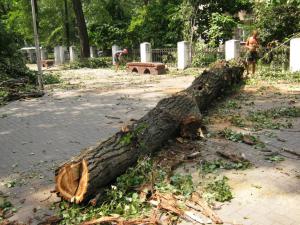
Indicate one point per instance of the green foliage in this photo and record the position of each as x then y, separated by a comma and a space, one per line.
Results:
266, 73
204, 55
287, 20
269, 118
51, 78
102, 62
232, 135
212, 166
274, 158
183, 184
219, 190
221, 28
122, 197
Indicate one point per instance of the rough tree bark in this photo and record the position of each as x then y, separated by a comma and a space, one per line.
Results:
83, 35
81, 178
67, 23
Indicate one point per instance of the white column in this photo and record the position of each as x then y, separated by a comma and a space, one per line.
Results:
183, 54
57, 59
295, 55
73, 54
44, 55
114, 49
93, 52
146, 52
31, 54
232, 49
62, 51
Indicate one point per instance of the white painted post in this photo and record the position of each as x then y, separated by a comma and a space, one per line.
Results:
73, 54
62, 51
295, 55
32, 55
183, 54
44, 55
57, 59
93, 52
114, 49
232, 49
146, 52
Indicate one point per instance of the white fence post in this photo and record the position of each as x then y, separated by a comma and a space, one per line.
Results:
62, 51
183, 54
295, 55
44, 55
114, 49
93, 52
232, 49
73, 54
57, 59
146, 52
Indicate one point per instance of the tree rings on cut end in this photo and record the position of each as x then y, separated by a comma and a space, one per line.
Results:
72, 180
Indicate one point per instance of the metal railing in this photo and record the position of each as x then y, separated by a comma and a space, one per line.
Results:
167, 56
202, 57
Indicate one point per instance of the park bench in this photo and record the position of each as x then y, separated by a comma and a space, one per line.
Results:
146, 68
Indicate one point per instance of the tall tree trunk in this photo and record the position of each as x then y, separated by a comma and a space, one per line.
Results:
67, 23
37, 14
83, 35
81, 178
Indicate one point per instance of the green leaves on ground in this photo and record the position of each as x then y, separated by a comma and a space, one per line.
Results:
212, 166
218, 190
270, 118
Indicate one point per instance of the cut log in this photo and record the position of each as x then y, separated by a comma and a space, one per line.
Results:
81, 178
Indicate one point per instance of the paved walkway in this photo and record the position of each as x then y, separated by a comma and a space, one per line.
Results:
38, 134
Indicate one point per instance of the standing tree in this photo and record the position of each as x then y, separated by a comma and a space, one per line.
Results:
83, 35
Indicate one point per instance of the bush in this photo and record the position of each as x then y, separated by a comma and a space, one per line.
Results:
51, 78
204, 55
93, 63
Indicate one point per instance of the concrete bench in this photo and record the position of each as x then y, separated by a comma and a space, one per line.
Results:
47, 63
146, 68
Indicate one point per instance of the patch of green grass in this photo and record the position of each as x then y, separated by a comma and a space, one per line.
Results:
218, 190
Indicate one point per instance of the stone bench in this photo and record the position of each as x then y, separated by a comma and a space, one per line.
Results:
47, 63
146, 68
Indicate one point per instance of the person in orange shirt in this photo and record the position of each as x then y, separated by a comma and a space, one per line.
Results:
252, 46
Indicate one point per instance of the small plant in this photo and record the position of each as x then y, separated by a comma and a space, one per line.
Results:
237, 120
231, 135
51, 78
219, 190
275, 158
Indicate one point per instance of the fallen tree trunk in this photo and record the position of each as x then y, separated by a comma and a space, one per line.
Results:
81, 178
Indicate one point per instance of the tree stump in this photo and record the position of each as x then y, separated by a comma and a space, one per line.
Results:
81, 178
